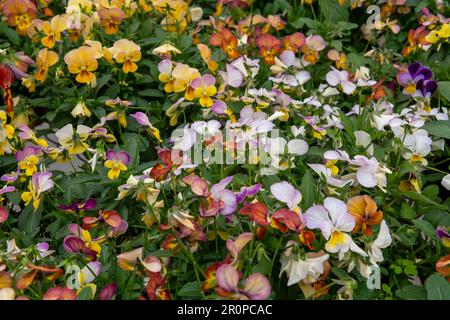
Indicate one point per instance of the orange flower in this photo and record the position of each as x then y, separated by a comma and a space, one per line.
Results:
45, 59
227, 41
443, 265
20, 13
269, 47
416, 39
294, 41
365, 211
82, 62
111, 19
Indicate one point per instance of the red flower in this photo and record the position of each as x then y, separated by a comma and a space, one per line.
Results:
6, 80
227, 41
256, 211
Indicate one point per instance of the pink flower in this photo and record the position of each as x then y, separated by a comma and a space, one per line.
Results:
256, 286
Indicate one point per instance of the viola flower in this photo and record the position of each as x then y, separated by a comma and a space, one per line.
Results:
82, 278
82, 62
294, 41
382, 241
248, 192
365, 211
52, 30
418, 146
437, 34
28, 159
204, 89
126, 52
307, 270
340, 78
79, 205
80, 241
227, 41
313, 45
143, 120
40, 182
110, 19
27, 134
116, 162
417, 81
443, 266
6, 81
59, 293
205, 53
256, 286
269, 47
334, 220
4, 214
6, 133
108, 292
45, 59
165, 50
416, 39
119, 107
19, 13
286, 193
257, 211
370, 173
443, 235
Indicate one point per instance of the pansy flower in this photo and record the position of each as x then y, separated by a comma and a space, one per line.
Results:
73, 140
19, 13
89, 204
365, 211
6, 81
52, 30
82, 62
313, 45
294, 41
334, 220
80, 241
417, 80
59, 293
269, 47
45, 59
40, 182
128, 53
227, 41
28, 134
28, 159
256, 286
116, 162
204, 89
143, 120
110, 19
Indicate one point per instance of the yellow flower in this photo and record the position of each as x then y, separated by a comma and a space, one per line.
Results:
82, 62
52, 30
45, 59
73, 141
126, 52
204, 89
331, 165
116, 162
435, 35
165, 49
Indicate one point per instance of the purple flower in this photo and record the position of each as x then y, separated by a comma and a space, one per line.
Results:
247, 192
79, 205
417, 81
226, 198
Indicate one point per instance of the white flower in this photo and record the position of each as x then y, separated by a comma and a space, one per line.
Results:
323, 171
382, 241
446, 182
286, 193
418, 146
308, 270
334, 221
336, 77
370, 173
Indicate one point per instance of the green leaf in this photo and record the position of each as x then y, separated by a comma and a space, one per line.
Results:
308, 190
444, 89
11, 34
86, 293
421, 198
437, 288
151, 93
412, 292
190, 290
333, 11
426, 228
406, 212
132, 148
29, 219
440, 129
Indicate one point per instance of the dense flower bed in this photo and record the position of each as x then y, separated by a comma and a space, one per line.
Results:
230, 149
